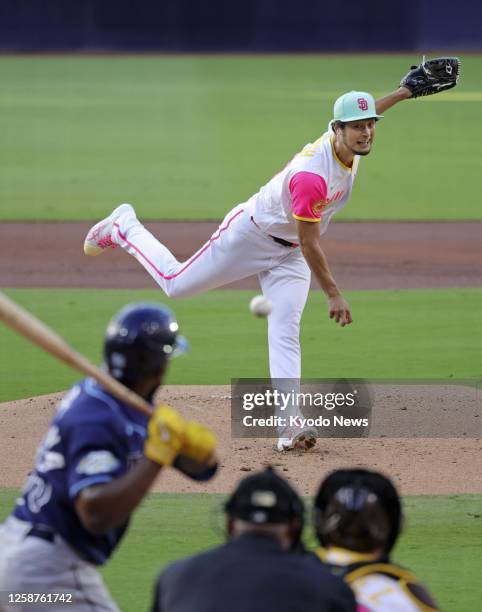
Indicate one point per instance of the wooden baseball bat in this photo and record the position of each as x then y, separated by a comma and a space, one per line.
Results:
40, 334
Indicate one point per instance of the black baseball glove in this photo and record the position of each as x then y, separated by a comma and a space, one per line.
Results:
432, 76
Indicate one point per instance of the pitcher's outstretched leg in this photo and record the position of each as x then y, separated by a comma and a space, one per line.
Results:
222, 259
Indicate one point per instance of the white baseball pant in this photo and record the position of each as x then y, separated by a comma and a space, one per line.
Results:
237, 249
29, 564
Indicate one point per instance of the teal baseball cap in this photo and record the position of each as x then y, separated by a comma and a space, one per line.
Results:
355, 105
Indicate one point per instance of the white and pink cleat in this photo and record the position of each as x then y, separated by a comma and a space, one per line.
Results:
99, 237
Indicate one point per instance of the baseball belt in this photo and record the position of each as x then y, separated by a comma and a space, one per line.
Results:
42, 533
282, 241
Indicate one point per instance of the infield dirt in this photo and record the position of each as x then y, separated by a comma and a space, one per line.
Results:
418, 465
362, 255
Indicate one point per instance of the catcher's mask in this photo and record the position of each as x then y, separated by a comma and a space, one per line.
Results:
139, 340
265, 498
359, 510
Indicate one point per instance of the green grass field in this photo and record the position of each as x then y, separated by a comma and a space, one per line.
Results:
396, 334
440, 544
189, 137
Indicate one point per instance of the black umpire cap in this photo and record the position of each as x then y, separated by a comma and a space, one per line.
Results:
265, 498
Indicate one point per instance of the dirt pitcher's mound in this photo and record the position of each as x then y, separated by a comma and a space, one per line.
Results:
418, 466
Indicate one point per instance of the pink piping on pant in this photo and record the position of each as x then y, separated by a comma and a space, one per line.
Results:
193, 258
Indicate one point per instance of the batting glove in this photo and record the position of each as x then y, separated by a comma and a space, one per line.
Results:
169, 435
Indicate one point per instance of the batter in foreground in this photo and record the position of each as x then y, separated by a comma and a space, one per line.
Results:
94, 466
276, 234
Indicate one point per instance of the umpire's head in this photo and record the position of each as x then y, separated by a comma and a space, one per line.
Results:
359, 510
266, 504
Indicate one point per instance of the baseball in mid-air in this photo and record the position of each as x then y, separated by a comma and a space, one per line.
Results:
260, 306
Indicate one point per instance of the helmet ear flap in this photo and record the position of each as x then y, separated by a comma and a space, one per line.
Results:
129, 364
116, 362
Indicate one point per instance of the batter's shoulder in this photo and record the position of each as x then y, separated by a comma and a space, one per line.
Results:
86, 403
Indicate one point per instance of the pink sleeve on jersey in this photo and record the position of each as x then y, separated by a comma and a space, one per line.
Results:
308, 195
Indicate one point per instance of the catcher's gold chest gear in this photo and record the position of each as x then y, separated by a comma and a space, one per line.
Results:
380, 585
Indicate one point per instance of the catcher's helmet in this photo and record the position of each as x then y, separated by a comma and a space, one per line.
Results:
359, 510
139, 340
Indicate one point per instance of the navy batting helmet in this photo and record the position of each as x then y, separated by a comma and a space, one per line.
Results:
359, 510
139, 340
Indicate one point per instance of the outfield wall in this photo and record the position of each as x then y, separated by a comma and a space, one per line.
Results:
248, 26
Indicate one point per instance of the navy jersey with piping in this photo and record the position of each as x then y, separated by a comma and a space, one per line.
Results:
92, 439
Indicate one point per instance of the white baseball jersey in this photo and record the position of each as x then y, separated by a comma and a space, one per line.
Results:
273, 208
313, 187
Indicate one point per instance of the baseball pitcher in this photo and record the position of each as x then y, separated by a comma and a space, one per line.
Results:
277, 233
